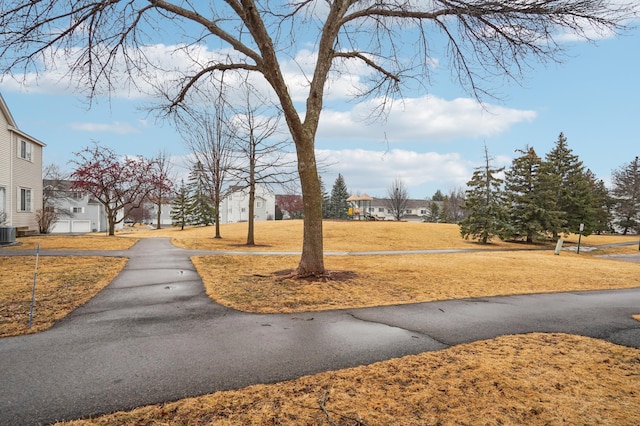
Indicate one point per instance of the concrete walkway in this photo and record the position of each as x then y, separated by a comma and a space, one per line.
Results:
153, 335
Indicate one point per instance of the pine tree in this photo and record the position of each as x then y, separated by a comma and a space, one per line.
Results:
529, 203
434, 212
326, 201
626, 193
438, 196
339, 194
484, 203
571, 190
180, 207
602, 204
446, 215
201, 208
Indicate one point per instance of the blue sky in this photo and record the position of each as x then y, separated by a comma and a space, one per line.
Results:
431, 141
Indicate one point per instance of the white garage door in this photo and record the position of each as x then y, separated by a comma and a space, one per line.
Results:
61, 226
81, 226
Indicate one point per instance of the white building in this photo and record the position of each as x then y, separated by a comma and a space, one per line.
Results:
20, 175
235, 206
78, 211
379, 209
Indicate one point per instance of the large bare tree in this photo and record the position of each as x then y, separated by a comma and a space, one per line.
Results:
163, 189
204, 128
397, 198
483, 39
261, 152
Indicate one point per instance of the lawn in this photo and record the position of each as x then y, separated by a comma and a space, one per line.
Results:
62, 285
525, 379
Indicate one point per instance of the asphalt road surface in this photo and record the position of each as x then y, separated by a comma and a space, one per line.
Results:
153, 335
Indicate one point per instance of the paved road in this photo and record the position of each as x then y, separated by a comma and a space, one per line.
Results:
153, 335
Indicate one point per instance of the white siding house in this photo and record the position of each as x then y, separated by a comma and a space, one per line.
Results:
20, 174
235, 206
78, 211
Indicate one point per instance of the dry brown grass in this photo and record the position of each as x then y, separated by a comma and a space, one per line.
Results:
343, 236
72, 242
247, 282
534, 379
338, 236
63, 284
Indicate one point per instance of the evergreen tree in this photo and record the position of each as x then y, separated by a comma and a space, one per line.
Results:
484, 203
201, 208
529, 203
438, 196
180, 207
326, 201
571, 190
339, 194
626, 193
446, 215
434, 212
602, 204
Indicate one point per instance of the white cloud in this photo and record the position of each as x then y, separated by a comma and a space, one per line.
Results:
422, 119
373, 171
115, 127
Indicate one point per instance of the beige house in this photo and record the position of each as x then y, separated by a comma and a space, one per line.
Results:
20, 175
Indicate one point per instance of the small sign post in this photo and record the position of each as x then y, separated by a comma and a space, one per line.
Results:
580, 236
33, 289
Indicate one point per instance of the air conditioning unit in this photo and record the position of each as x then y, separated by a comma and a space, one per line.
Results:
7, 235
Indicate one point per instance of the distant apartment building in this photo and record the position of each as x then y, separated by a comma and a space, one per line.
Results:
235, 205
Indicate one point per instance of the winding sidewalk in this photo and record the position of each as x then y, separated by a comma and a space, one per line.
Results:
153, 335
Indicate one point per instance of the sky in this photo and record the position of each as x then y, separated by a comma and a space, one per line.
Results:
432, 140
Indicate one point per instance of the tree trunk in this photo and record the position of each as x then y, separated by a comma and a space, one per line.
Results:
252, 188
159, 213
312, 259
252, 200
112, 225
216, 197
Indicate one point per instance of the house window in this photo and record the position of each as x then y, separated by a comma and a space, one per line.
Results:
77, 209
243, 210
380, 209
25, 150
259, 204
423, 212
408, 211
77, 195
25, 200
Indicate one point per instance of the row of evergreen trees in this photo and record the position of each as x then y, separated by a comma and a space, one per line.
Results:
542, 198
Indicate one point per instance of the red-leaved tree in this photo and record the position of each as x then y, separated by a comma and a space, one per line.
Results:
119, 184
292, 204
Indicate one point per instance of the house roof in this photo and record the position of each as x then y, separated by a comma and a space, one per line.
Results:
411, 203
12, 123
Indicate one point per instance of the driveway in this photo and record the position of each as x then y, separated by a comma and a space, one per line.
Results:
153, 335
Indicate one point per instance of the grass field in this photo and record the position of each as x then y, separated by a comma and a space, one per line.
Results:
534, 379
62, 285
